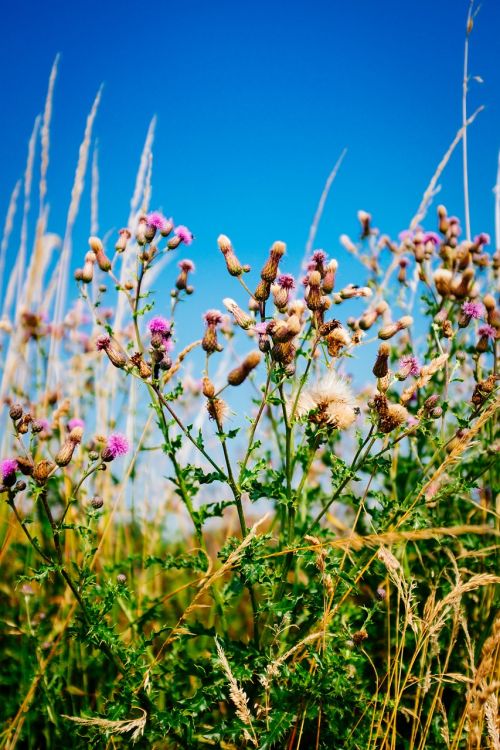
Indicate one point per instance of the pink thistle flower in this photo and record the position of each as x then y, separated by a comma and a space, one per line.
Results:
286, 280
473, 310
159, 325
410, 365
117, 445
488, 331
213, 317
482, 239
432, 237
75, 422
260, 329
318, 256
186, 265
102, 343
156, 220
184, 234
8, 468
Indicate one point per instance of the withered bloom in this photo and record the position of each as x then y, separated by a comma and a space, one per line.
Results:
329, 402
210, 344
114, 351
381, 366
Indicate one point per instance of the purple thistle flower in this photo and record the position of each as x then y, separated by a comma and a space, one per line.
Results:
473, 310
8, 468
482, 239
410, 365
432, 237
213, 317
156, 220
486, 330
286, 280
75, 422
318, 256
184, 234
186, 265
117, 445
102, 343
159, 325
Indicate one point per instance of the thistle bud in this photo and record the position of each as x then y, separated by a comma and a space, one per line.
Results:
88, 267
262, 291
97, 502
442, 281
121, 579
328, 283
217, 410
186, 266
390, 330
142, 366
242, 319
381, 366
140, 233
270, 269
208, 388
233, 264
443, 219
240, 374
209, 343
364, 219
116, 354
103, 261
25, 465
15, 412
313, 295
123, 237
42, 471
24, 423
359, 637
461, 287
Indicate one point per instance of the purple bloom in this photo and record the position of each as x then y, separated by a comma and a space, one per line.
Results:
117, 445
487, 330
8, 468
318, 256
482, 239
102, 343
213, 317
286, 280
156, 220
186, 265
260, 328
410, 365
432, 237
75, 422
184, 234
473, 310
159, 325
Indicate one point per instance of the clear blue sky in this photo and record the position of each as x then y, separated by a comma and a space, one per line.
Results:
255, 101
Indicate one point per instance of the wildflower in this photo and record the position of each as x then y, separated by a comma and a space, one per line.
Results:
270, 268
336, 337
390, 330
15, 412
114, 351
359, 637
390, 415
42, 471
87, 273
213, 318
156, 219
470, 311
242, 319
75, 422
186, 266
364, 219
65, 452
486, 334
239, 374
96, 246
181, 234
123, 237
381, 366
8, 468
142, 366
159, 325
116, 445
317, 262
330, 401
409, 365
285, 283
233, 264
431, 237
329, 277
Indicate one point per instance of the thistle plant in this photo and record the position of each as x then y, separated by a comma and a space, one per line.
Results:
275, 528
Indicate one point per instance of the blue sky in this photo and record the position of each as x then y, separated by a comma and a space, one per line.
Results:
255, 102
